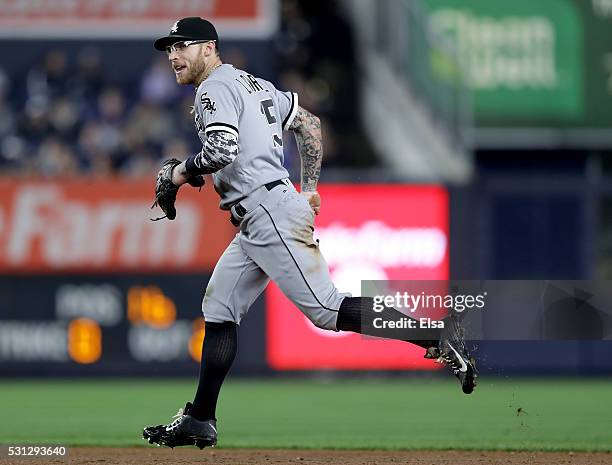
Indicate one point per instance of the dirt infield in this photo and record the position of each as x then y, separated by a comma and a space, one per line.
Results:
152, 456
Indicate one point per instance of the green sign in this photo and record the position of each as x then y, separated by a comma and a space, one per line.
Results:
523, 59
597, 66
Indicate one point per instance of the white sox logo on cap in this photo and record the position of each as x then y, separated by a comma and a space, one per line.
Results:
184, 29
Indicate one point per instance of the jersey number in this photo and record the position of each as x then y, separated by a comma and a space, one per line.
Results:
265, 107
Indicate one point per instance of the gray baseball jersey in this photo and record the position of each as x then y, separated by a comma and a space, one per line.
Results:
254, 111
275, 240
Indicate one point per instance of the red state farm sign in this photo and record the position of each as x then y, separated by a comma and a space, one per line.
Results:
368, 232
103, 225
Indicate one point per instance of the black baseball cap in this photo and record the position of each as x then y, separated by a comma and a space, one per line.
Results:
191, 28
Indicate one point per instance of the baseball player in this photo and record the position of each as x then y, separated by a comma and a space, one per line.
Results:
240, 120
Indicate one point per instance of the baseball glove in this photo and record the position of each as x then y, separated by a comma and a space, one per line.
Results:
166, 190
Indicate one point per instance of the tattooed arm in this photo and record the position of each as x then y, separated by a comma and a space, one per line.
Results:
307, 129
220, 149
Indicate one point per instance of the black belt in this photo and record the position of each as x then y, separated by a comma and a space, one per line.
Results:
273, 184
240, 210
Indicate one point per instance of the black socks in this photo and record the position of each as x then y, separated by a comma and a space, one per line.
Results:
357, 314
218, 353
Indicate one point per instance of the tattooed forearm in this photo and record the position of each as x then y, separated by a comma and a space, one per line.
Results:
220, 149
307, 129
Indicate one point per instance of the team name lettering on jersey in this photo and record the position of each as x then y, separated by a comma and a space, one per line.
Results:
249, 83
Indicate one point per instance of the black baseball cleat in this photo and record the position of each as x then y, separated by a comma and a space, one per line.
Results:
453, 353
184, 430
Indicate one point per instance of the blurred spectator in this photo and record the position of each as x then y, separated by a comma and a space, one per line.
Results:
97, 144
101, 137
7, 120
158, 85
317, 60
111, 106
13, 150
34, 123
290, 40
51, 79
54, 158
64, 118
153, 123
88, 80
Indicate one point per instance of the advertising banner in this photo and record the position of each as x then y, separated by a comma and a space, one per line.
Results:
104, 225
532, 64
523, 60
389, 232
130, 18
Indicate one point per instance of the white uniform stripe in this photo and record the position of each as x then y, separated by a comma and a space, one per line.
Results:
292, 112
221, 127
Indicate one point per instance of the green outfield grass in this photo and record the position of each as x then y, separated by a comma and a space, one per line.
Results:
516, 414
